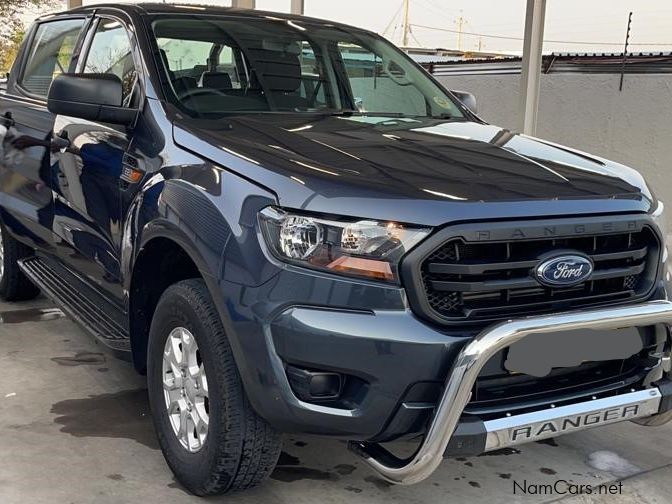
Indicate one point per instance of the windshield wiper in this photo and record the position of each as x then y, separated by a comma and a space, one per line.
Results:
357, 113
444, 115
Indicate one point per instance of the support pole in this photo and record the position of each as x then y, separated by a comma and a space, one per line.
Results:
531, 69
298, 7
406, 27
71, 4
625, 51
243, 4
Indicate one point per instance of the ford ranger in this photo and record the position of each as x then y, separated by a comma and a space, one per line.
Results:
289, 226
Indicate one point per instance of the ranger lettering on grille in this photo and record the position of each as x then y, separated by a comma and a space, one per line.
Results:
551, 231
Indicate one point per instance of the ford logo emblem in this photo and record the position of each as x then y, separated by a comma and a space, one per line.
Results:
564, 271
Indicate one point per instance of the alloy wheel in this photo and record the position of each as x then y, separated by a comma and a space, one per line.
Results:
185, 389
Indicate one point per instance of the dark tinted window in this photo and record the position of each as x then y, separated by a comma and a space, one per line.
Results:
50, 54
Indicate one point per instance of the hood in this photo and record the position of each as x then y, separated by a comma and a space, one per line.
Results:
412, 170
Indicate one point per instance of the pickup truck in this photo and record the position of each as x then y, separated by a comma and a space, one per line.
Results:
289, 226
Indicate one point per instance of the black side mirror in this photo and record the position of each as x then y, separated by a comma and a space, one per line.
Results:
95, 97
467, 99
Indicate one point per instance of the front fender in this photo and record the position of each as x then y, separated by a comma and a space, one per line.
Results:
214, 225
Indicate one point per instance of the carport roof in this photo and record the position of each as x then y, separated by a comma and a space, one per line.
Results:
559, 62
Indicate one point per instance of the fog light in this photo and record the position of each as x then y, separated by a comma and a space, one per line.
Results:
311, 386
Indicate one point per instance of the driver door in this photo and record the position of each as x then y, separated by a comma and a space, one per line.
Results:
87, 196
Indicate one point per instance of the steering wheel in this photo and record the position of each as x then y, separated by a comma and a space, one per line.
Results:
190, 93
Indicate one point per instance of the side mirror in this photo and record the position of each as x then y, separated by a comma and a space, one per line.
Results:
467, 99
95, 97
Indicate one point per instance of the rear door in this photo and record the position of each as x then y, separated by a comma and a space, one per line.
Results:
25, 130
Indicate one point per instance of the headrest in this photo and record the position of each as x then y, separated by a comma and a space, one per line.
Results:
280, 71
182, 84
216, 80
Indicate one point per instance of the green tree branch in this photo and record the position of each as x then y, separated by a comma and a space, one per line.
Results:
12, 28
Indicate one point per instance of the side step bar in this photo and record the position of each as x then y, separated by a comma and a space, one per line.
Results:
79, 300
476, 353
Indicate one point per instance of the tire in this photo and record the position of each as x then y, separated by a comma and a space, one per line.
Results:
655, 420
240, 449
14, 285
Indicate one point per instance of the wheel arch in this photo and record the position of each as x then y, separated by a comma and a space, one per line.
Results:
165, 257
213, 233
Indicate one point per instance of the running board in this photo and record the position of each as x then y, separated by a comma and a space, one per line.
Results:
80, 301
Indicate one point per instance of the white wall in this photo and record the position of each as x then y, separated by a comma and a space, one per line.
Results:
585, 111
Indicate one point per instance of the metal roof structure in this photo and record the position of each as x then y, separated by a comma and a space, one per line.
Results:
561, 62
429, 59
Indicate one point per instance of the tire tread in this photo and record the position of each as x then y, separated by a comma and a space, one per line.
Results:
249, 451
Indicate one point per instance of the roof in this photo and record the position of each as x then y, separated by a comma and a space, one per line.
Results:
559, 62
433, 58
164, 8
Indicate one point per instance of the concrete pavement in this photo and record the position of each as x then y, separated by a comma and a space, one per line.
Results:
75, 428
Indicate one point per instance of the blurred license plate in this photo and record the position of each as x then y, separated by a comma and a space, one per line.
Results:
537, 354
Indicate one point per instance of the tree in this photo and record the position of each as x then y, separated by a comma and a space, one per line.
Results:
9, 48
13, 13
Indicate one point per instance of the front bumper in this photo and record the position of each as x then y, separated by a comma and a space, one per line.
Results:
509, 431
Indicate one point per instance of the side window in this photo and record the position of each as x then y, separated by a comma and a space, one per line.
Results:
189, 64
110, 52
378, 85
50, 54
227, 63
313, 85
185, 58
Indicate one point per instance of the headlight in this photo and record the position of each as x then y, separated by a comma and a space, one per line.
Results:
363, 248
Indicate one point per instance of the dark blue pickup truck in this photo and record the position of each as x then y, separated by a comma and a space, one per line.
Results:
289, 226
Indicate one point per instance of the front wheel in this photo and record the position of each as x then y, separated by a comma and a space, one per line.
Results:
211, 437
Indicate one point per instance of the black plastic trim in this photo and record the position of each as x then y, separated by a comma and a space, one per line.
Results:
517, 230
468, 440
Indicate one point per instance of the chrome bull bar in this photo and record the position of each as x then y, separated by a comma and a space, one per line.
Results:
475, 354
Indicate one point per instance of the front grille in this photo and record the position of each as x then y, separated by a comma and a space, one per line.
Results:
468, 278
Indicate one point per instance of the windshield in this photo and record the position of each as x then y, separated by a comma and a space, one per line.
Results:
215, 65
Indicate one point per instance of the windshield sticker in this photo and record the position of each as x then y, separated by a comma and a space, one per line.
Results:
442, 102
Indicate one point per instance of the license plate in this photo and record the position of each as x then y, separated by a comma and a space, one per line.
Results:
537, 354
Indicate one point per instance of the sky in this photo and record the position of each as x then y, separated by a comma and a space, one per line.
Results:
571, 25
